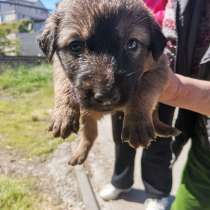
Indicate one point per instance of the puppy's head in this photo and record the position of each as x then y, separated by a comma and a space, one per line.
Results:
103, 46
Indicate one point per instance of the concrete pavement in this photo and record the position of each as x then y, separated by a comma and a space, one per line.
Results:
100, 165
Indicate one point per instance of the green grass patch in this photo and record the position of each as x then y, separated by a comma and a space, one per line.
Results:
18, 194
25, 79
26, 95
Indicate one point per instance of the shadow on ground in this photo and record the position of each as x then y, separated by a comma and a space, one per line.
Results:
135, 195
139, 196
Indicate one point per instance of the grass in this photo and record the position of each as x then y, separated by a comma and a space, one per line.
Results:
18, 194
25, 79
26, 96
25, 99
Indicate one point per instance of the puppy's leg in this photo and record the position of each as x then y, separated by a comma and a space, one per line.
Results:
66, 109
88, 133
162, 129
138, 124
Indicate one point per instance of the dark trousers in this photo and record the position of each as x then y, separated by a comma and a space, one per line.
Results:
155, 161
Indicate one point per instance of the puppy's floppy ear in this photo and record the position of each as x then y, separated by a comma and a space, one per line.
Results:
158, 41
47, 39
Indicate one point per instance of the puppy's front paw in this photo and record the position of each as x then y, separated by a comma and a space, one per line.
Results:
65, 121
138, 130
78, 158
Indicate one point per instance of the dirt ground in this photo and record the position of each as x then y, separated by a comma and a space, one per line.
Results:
55, 180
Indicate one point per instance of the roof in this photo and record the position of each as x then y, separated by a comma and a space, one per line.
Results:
27, 3
37, 3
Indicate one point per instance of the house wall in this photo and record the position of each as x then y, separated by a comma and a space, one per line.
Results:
10, 12
7, 13
32, 13
28, 44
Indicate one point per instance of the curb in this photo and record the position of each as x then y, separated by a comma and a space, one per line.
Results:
86, 190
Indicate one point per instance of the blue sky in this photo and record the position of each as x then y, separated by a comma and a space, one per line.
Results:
50, 4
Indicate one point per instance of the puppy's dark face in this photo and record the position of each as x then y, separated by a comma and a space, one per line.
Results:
103, 46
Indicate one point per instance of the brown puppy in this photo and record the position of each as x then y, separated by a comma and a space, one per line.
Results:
107, 56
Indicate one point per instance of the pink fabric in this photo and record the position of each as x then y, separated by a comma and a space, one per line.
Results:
158, 8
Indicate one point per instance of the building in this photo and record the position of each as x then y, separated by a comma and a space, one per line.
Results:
13, 10
34, 10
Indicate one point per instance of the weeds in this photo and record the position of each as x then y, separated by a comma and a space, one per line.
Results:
16, 194
26, 98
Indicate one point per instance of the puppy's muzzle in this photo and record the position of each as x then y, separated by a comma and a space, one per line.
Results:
107, 98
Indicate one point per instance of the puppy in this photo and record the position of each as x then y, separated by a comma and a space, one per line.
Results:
107, 57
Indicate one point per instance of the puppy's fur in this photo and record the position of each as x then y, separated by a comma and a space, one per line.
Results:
107, 57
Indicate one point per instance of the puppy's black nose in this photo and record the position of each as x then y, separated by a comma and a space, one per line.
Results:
99, 97
107, 99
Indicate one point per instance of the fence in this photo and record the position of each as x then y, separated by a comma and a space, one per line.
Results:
22, 59
13, 61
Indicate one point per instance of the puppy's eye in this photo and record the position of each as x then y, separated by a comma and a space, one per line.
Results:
76, 46
132, 45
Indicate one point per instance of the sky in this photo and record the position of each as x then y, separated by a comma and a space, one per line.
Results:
50, 4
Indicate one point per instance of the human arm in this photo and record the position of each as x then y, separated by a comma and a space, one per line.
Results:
187, 93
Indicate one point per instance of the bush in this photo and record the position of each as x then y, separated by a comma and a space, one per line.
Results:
8, 46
